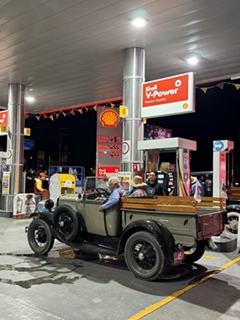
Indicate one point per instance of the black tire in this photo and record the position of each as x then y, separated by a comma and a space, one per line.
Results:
40, 237
195, 253
66, 221
233, 221
144, 256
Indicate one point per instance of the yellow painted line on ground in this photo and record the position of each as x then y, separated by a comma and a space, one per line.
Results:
176, 294
208, 257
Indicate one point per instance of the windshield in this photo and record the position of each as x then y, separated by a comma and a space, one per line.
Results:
92, 183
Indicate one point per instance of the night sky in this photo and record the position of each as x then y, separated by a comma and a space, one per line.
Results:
216, 118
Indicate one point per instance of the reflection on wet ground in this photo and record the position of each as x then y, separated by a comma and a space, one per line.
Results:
38, 270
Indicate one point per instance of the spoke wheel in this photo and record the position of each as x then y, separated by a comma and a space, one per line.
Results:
66, 220
233, 221
40, 238
144, 256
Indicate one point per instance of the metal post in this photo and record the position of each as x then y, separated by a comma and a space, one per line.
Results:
15, 141
133, 77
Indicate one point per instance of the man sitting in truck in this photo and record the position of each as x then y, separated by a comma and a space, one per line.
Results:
116, 193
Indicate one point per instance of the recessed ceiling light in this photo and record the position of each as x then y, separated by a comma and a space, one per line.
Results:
30, 99
192, 60
139, 22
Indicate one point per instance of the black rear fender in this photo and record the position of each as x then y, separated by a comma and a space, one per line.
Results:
233, 207
160, 232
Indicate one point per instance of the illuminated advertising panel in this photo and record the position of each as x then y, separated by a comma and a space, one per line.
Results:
168, 96
109, 142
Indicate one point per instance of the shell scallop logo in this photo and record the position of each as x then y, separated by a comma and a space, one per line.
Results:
109, 118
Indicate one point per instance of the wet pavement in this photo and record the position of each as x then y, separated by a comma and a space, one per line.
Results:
59, 286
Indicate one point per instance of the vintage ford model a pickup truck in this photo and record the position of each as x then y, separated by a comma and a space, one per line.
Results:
149, 232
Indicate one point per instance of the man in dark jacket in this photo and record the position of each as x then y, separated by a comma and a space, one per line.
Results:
153, 188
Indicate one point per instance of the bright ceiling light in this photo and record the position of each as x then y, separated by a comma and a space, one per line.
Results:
192, 60
30, 99
139, 22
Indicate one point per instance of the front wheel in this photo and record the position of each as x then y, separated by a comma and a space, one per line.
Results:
144, 256
67, 222
196, 252
40, 237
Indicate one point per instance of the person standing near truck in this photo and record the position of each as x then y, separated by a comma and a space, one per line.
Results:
38, 187
153, 188
196, 183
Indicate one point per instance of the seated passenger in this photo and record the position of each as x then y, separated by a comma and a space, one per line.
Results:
116, 193
137, 190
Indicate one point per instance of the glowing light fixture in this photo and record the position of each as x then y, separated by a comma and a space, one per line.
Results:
30, 99
139, 22
192, 60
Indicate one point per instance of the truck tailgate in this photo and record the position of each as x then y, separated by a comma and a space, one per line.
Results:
211, 223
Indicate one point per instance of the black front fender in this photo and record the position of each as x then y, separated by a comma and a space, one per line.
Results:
160, 232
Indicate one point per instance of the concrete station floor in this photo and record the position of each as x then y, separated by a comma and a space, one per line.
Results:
53, 287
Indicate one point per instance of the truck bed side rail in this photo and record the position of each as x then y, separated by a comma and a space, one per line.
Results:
174, 203
234, 193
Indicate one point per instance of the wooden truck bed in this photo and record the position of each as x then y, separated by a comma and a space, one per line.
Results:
187, 219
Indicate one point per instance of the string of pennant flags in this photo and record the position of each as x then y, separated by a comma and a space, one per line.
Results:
220, 86
53, 115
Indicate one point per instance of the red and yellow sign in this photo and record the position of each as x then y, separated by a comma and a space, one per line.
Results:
103, 170
4, 118
168, 96
109, 118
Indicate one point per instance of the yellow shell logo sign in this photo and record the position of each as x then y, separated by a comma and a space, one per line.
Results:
109, 118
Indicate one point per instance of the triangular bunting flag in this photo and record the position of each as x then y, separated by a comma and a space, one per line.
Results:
86, 109
72, 112
26, 115
103, 108
112, 105
204, 90
220, 85
44, 116
57, 115
95, 107
38, 118
51, 117
64, 114
237, 86
80, 111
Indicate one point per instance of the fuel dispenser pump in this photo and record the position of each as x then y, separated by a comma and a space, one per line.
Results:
220, 150
181, 148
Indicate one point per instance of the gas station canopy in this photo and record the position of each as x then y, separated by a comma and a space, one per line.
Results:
69, 53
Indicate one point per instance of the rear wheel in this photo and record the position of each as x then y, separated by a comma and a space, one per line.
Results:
233, 221
195, 253
40, 237
144, 256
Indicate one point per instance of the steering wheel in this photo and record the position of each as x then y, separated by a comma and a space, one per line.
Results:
102, 192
